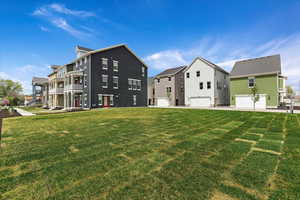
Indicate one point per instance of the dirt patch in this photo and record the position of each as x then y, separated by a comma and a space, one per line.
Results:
221, 196
73, 149
244, 140
266, 151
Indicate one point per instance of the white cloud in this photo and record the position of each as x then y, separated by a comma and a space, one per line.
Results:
25, 73
62, 9
54, 13
63, 24
44, 29
165, 59
226, 53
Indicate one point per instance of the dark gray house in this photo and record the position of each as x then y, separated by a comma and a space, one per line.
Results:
108, 77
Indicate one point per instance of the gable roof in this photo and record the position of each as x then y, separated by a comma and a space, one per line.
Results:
39, 80
208, 63
109, 48
171, 71
83, 48
257, 66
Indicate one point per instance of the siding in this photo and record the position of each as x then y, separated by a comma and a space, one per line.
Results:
129, 67
265, 85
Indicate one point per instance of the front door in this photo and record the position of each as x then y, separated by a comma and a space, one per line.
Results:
106, 101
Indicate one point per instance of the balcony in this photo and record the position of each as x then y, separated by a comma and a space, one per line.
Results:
74, 87
56, 91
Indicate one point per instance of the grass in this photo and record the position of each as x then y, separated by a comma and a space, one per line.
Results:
153, 153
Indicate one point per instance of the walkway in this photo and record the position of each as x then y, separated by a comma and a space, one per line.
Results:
232, 108
24, 112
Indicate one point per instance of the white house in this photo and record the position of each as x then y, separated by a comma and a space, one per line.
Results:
206, 84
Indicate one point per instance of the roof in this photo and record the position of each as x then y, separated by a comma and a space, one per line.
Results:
171, 71
109, 48
257, 66
39, 80
83, 48
208, 63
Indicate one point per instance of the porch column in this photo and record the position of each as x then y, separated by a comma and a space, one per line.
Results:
72, 99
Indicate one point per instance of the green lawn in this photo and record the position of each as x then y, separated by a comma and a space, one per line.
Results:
153, 153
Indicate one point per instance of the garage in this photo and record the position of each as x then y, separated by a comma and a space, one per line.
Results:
163, 102
246, 101
200, 102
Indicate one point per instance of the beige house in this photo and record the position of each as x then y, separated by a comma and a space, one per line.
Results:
56, 87
169, 87
151, 91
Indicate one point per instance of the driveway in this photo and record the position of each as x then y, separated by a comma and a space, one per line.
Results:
232, 108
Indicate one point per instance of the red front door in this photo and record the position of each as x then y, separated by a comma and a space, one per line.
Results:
106, 101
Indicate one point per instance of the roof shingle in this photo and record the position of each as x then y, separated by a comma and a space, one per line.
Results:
257, 66
171, 71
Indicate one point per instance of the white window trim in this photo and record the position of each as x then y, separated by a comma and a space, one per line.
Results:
104, 66
249, 82
100, 95
117, 82
111, 100
134, 100
117, 65
105, 86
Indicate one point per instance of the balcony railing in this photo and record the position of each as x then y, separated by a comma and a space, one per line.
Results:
74, 87
56, 91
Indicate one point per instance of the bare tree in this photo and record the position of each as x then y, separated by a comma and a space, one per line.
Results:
255, 96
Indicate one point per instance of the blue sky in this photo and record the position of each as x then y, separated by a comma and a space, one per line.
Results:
164, 33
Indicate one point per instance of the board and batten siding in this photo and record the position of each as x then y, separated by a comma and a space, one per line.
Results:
192, 84
265, 85
222, 93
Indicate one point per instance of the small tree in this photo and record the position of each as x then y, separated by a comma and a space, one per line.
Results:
255, 96
289, 91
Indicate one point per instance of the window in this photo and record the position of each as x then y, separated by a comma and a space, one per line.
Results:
188, 75
169, 78
134, 100
169, 89
134, 85
219, 85
251, 82
116, 82
143, 71
129, 84
104, 81
201, 85
104, 63
100, 100
198, 73
115, 65
139, 86
158, 80
208, 84
111, 100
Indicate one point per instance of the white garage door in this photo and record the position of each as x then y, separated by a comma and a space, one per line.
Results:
200, 101
163, 102
247, 102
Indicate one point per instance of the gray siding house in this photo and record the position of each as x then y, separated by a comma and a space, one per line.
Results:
169, 87
151, 91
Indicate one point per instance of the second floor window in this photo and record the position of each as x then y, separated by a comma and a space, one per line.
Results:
116, 82
169, 89
188, 75
129, 84
201, 85
134, 84
198, 73
139, 85
208, 84
251, 82
169, 78
158, 80
104, 81
100, 99
116, 65
104, 63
